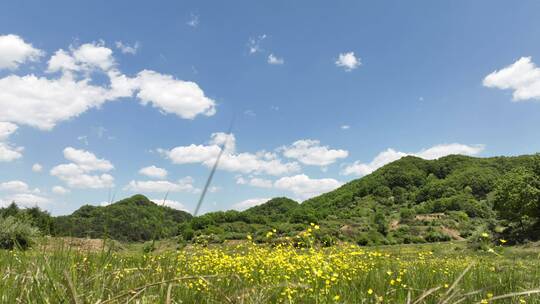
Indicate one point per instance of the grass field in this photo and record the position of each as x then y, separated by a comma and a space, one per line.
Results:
250, 273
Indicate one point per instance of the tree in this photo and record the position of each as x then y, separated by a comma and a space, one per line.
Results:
517, 196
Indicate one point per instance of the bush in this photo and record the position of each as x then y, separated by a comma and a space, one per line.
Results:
15, 233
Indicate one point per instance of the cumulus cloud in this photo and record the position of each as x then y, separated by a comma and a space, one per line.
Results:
14, 51
273, 59
183, 185
126, 48
348, 61
310, 152
255, 182
390, 155
183, 98
170, 203
37, 168
154, 172
24, 200
78, 173
59, 190
14, 186
243, 205
44, 101
256, 163
305, 187
8, 152
523, 77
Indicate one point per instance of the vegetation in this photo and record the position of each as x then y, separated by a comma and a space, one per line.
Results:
411, 200
255, 273
132, 219
16, 233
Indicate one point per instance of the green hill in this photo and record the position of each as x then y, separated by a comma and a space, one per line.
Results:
411, 200
132, 219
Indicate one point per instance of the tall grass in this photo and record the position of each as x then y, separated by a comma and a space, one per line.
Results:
250, 273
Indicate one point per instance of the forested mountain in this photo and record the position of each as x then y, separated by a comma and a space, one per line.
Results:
132, 219
411, 200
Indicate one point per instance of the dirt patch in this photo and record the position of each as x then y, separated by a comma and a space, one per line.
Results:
454, 234
430, 217
82, 244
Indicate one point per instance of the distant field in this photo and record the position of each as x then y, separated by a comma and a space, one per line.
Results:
250, 273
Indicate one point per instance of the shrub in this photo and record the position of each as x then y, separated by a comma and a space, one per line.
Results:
15, 233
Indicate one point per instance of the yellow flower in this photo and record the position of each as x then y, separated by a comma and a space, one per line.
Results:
336, 298
370, 291
502, 241
485, 235
489, 295
249, 237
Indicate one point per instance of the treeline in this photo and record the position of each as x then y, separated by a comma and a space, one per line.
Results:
411, 200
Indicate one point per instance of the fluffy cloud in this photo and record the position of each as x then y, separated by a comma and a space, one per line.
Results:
37, 167
24, 200
273, 59
77, 174
162, 186
126, 48
59, 190
7, 151
249, 203
42, 102
305, 187
154, 172
170, 203
183, 98
523, 77
254, 44
255, 182
348, 61
14, 186
14, 51
310, 152
390, 155
258, 163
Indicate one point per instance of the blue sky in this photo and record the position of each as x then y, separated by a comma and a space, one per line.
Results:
321, 93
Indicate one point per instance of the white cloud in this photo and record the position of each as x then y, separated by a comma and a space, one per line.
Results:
254, 44
305, 187
77, 174
24, 200
273, 59
37, 167
42, 102
183, 98
14, 52
348, 61
523, 77
255, 182
170, 203
193, 20
7, 151
59, 190
183, 185
345, 127
390, 155
14, 186
154, 172
243, 205
87, 160
126, 48
258, 163
310, 152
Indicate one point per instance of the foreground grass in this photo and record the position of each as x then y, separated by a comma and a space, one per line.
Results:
249, 273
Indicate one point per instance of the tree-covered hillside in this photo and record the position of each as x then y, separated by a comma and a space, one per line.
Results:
132, 219
411, 200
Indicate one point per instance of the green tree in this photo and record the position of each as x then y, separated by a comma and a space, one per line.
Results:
517, 196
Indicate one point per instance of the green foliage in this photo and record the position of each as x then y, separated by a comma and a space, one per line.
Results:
132, 219
16, 233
